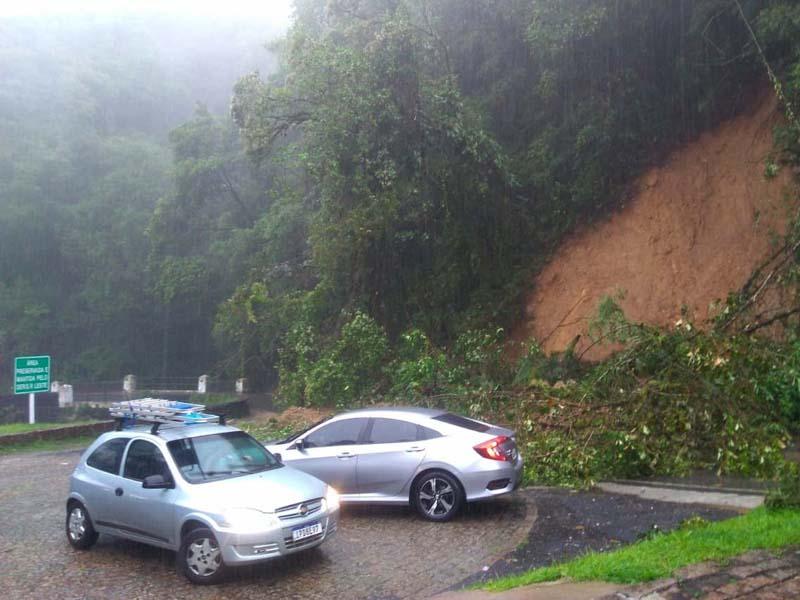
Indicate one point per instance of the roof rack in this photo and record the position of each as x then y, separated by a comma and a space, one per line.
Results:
159, 411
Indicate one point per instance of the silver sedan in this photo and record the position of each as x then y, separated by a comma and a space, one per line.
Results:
431, 459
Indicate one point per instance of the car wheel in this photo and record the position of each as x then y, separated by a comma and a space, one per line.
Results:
200, 557
80, 531
437, 496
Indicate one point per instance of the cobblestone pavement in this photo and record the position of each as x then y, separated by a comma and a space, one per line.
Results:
377, 554
759, 575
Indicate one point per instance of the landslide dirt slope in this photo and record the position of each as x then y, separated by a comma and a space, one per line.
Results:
694, 229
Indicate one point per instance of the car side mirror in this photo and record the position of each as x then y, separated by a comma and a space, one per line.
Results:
157, 482
278, 457
300, 445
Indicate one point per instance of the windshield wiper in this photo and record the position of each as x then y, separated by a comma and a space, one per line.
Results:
266, 468
242, 470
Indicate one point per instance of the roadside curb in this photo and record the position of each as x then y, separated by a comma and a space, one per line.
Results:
738, 501
58, 433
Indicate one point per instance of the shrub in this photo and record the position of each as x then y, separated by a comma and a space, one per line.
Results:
342, 374
420, 368
479, 355
787, 493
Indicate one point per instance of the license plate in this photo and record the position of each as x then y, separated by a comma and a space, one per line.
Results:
306, 531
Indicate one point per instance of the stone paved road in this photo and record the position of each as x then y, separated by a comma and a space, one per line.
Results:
756, 575
377, 553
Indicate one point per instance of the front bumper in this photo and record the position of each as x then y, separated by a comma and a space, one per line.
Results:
244, 548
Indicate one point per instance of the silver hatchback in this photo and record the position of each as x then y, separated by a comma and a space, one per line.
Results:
210, 492
432, 459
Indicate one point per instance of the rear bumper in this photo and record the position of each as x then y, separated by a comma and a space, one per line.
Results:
494, 479
247, 548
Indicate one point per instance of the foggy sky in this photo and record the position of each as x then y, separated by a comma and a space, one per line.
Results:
277, 11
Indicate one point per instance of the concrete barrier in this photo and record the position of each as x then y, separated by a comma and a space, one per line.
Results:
58, 433
235, 410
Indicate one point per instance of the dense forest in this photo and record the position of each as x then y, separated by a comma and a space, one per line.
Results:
86, 110
361, 211
433, 153
354, 212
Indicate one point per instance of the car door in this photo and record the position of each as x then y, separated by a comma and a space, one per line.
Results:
389, 457
148, 513
102, 479
330, 453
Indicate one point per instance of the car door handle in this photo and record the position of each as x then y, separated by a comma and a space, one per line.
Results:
345, 455
415, 449
118, 491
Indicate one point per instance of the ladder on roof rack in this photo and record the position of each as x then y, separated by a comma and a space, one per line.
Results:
158, 411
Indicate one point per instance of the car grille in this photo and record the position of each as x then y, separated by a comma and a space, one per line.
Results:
291, 544
294, 511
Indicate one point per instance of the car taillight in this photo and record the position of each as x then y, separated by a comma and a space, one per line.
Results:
492, 449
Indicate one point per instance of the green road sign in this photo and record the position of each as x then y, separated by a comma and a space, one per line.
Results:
31, 374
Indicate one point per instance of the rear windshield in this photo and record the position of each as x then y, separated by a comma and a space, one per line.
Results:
460, 421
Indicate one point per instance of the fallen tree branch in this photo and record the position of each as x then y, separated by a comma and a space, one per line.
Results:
608, 335
788, 252
778, 317
564, 318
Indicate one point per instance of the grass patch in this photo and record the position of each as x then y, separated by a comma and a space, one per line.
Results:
266, 432
13, 428
659, 557
73, 443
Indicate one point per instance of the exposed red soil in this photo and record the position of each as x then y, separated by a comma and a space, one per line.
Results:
693, 230
295, 417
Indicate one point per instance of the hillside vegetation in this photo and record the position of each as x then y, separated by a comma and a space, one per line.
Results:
365, 223
436, 153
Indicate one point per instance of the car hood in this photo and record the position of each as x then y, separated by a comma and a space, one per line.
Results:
265, 491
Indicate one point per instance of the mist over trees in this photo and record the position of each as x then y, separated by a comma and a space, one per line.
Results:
86, 107
374, 199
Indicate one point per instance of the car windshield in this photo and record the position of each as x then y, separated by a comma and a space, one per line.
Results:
220, 456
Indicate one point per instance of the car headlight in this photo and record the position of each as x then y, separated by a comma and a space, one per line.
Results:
332, 498
248, 519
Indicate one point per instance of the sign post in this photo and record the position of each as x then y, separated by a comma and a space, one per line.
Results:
31, 375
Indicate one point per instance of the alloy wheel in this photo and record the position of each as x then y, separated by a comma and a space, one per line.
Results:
437, 496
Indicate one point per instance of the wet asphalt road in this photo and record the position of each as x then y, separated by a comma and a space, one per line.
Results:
571, 523
380, 553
